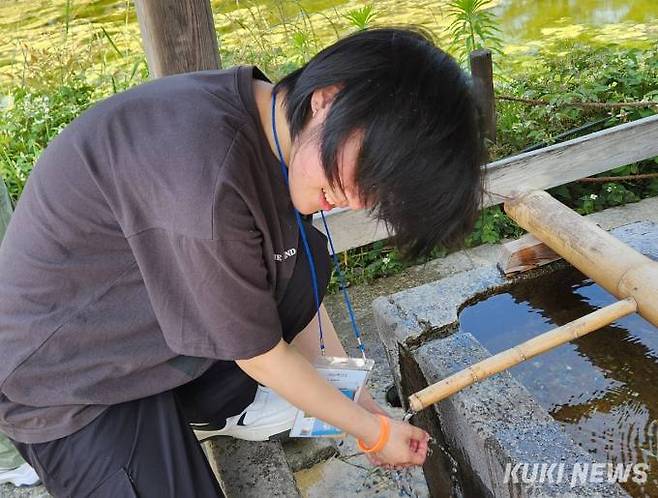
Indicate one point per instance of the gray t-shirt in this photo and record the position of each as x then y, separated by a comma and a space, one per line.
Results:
153, 237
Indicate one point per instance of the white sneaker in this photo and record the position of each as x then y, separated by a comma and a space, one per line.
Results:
268, 415
24, 475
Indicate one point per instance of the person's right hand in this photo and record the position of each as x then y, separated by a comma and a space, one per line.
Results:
407, 445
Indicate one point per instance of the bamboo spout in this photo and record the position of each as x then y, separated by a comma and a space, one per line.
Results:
616, 267
520, 353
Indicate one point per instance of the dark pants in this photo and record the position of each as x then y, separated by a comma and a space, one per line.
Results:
145, 448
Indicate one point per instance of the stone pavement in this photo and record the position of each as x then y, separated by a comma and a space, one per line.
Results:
347, 475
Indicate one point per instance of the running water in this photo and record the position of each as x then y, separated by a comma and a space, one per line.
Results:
403, 478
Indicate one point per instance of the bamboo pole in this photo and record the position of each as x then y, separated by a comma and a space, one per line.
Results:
520, 353
616, 267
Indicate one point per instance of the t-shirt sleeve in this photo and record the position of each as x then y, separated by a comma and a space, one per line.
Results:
212, 297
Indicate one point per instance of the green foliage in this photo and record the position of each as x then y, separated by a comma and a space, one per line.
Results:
565, 72
491, 227
587, 198
56, 85
367, 263
376, 260
302, 46
361, 18
264, 45
472, 27
29, 119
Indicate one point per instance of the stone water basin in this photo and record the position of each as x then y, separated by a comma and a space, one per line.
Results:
587, 404
601, 388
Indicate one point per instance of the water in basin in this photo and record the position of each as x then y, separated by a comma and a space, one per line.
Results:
602, 388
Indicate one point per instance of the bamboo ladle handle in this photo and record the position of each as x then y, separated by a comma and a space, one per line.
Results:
520, 353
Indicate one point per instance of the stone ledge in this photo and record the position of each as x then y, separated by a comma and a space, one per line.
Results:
251, 469
302, 453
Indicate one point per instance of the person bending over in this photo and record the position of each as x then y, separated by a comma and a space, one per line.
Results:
153, 273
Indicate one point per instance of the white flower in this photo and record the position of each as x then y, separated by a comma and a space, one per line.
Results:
593, 196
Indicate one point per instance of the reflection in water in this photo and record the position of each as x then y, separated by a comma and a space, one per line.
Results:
524, 19
602, 388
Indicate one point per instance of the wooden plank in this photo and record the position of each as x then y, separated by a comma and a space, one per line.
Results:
541, 169
5, 209
178, 36
351, 229
568, 161
525, 253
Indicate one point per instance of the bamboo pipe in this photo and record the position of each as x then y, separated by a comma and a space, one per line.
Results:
520, 353
613, 265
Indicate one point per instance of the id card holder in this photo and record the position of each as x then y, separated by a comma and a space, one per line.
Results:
349, 376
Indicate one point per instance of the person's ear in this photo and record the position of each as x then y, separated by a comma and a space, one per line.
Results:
322, 98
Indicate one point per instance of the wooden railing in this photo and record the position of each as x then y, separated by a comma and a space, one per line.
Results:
537, 170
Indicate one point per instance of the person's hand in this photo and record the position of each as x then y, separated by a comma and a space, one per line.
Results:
366, 401
407, 446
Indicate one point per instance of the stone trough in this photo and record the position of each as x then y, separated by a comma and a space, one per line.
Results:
493, 436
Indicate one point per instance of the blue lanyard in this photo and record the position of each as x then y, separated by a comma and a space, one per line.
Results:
309, 254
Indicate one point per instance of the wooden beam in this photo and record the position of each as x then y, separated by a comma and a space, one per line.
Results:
568, 161
5, 209
178, 36
351, 229
541, 169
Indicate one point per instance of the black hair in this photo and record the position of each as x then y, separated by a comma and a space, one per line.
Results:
419, 164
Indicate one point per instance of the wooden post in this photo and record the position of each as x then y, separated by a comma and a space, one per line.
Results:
616, 267
178, 36
482, 73
5, 209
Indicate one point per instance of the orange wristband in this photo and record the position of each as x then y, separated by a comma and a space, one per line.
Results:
384, 433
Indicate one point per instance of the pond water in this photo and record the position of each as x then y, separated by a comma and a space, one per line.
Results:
602, 387
524, 20
39, 24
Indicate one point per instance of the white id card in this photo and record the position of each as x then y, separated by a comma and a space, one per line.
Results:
348, 375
